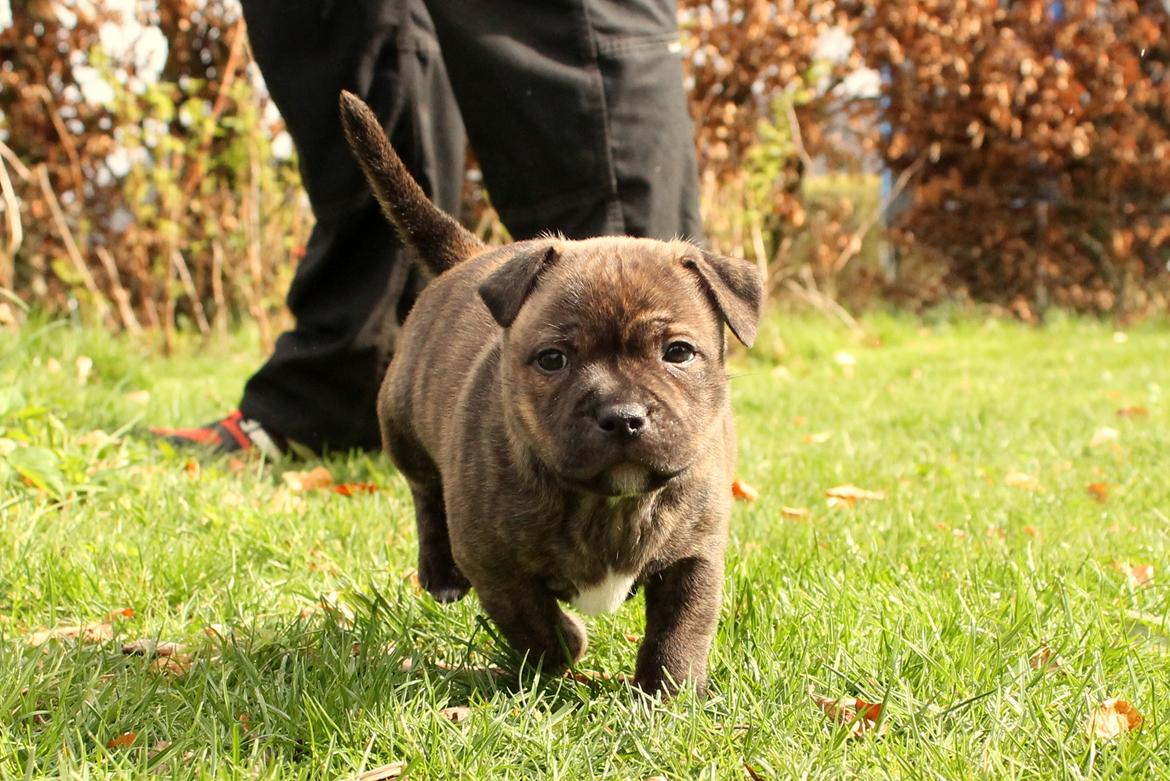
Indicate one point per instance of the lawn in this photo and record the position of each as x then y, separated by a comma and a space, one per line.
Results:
991, 600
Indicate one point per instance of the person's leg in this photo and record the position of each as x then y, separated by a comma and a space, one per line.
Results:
355, 283
577, 113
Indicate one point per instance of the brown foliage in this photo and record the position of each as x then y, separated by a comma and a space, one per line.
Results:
1048, 141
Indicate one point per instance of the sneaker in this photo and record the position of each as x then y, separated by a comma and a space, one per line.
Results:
229, 435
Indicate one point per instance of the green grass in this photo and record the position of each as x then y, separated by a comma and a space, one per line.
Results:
932, 600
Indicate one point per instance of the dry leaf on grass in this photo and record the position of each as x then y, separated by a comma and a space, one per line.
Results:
795, 513
313, 480
86, 633
818, 438
1043, 659
1031, 531
119, 613
138, 396
333, 606
1111, 719
383, 773
861, 717
741, 490
1103, 435
148, 647
349, 489
751, 773
1140, 574
456, 714
656, 778
1099, 491
175, 666
849, 495
1133, 412
125, 740
83, 367
1021, 480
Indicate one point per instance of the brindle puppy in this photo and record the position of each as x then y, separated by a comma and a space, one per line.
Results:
560, 411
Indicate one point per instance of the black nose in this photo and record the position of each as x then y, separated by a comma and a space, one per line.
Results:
622, 422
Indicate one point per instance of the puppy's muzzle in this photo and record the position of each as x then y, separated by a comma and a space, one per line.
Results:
622, 423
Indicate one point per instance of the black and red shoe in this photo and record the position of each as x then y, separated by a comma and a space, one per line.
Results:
229, 435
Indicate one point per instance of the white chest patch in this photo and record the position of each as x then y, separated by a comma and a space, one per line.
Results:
606, 596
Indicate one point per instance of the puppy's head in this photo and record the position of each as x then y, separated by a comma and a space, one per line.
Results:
614, 354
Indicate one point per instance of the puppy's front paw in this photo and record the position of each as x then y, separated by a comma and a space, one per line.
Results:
443, 582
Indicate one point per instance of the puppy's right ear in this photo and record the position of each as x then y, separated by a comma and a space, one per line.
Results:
508, 287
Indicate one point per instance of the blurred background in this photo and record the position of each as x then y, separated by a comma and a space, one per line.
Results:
1012, 154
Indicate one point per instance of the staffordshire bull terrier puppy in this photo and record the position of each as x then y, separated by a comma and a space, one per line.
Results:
560, 411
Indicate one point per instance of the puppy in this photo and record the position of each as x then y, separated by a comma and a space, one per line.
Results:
560, 411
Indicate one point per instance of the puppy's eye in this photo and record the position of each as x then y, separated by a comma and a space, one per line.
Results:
679, 352
551, 360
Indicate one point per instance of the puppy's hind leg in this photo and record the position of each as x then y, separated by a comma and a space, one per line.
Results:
437, 571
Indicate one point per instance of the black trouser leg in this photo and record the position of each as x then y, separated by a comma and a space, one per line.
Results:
577, 113
355, 283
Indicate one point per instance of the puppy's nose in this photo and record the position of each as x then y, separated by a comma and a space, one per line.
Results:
622, 422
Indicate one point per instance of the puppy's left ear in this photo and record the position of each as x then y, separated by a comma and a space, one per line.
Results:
508, 287
736, 290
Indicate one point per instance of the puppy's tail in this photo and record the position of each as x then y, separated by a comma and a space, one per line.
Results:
439, 240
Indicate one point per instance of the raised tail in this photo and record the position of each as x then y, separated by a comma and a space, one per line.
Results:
439, 240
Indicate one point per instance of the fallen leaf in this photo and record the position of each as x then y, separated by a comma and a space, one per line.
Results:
862, 717
159, 748
849, 495
1021, 480
192, 469
349, 489
410, 578
818, 438
1043, 659
632, 638
148, 647
741, 490
121, 612
1099, 491
220, 631
456, 714
406, 665
86, 633
176, 665
312, 480
1133, 412
1111, 719
795, 513
383, 773
125, 740
84, 366
138, 396
1031, 531
1103, 435
53, 366
1139, 574
751, 773
657, 778
236, 465
245, 722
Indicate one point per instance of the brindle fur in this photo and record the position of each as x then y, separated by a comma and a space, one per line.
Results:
516, 487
